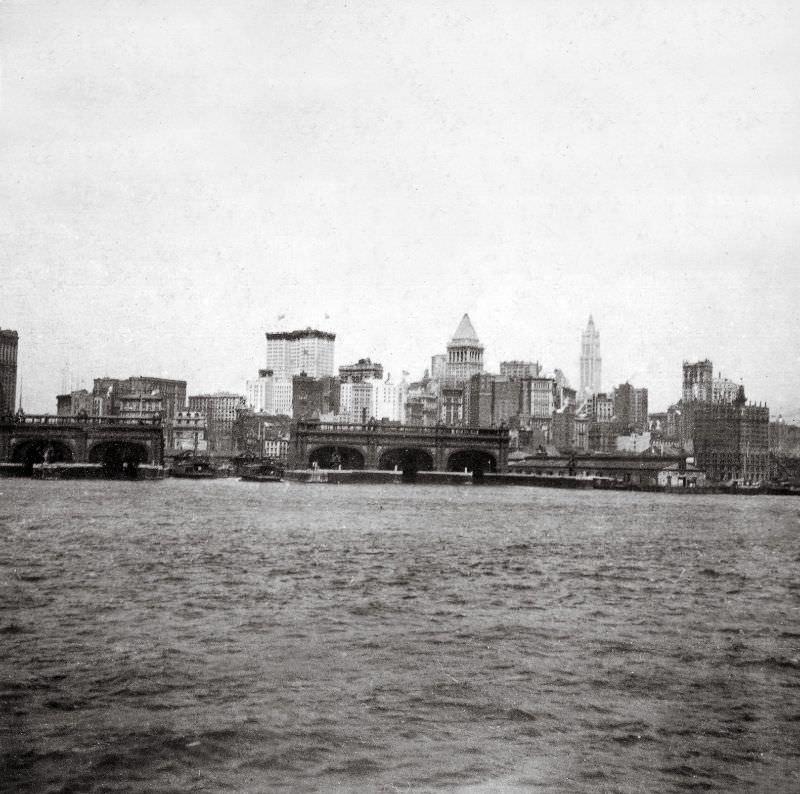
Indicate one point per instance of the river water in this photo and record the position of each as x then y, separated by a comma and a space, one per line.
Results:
223, 636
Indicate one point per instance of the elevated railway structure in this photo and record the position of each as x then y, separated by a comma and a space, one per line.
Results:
407, 448
115, 442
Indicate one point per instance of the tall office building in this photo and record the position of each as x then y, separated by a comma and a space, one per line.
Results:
305, 352
697, 381
464, 353
590, 361
9, 341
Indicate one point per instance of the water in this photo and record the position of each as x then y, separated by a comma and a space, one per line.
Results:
226, 636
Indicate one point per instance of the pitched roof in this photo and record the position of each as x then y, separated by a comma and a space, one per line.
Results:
465, 332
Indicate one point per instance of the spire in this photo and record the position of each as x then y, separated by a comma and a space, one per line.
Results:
465, 332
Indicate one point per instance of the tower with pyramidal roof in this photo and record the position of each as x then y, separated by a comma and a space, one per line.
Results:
464, 353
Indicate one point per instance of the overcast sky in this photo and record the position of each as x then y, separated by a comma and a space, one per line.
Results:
177, 175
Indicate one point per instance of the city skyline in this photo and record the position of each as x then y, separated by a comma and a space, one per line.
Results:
715, 372
177, 179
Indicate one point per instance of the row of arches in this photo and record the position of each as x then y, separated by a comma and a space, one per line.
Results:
409, 460
118, 458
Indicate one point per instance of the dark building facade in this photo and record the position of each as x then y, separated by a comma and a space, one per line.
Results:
9, 344
494, 399
731, 440
630, 408
698, 390
314, 396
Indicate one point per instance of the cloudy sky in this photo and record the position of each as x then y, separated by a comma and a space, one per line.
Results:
177, 175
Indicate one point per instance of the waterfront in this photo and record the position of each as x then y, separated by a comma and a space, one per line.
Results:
177, 636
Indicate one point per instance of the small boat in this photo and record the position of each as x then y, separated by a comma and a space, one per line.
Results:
265, 471
195, 469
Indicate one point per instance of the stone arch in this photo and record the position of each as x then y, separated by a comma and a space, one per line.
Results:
40, 450
478, 461
332, 457
409, 460
119, 458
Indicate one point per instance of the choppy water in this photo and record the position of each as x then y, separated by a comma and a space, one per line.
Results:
227, 636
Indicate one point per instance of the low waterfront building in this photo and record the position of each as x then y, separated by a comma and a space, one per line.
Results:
677, 476
634, 470
189, 432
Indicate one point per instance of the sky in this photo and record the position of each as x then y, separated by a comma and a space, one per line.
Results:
176, 176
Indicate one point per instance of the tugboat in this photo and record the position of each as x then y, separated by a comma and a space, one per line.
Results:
195, 469
263, 471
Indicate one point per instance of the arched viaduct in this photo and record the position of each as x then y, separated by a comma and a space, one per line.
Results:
408, 448
112, 441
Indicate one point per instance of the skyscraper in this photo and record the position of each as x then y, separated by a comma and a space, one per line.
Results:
8, 371
697, 381
590, 361
464, 353
306, 351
